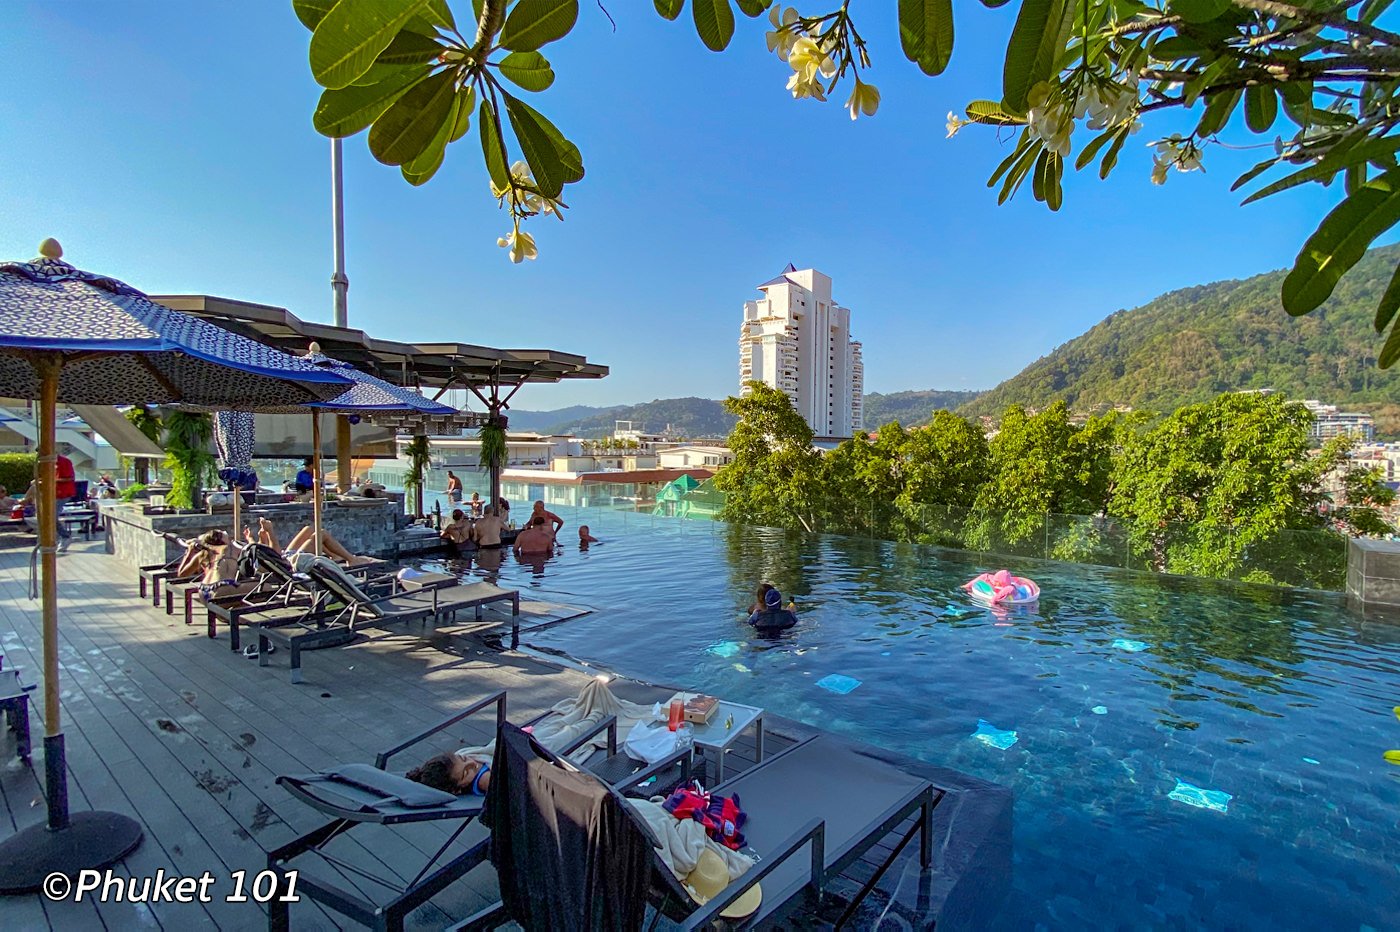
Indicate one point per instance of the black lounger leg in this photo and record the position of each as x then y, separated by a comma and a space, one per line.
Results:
235, 639
262, 649
295, 650
279, 917
926, 834
141, 582
21, 714
169, 601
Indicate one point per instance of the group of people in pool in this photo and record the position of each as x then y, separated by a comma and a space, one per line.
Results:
481, 529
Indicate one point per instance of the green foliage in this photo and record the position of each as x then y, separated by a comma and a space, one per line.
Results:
1214, 485
774, 479
420, 460
131, 492
1225, 489
146, 420
493, 445
191, 465
1188, 346
17, 471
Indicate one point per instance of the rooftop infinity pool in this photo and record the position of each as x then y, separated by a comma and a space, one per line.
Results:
1183, 754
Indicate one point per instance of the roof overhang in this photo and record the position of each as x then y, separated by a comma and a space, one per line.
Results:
420, 365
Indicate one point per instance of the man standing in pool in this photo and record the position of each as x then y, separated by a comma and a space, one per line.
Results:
454, 488
555, 523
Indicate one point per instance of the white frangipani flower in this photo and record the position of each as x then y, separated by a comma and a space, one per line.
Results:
782, 37
954, 124
1049, 119
521, 245
865, 98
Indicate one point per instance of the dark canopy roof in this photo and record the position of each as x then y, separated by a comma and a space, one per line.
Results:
423, 365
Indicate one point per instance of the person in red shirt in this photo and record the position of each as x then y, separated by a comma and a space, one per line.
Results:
66, 486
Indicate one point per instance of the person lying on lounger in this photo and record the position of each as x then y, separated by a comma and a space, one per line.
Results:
213, 559
331, 547
468, 771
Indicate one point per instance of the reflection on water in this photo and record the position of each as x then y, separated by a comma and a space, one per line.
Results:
1118, 688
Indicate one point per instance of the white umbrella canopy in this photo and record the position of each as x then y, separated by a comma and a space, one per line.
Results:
78, 337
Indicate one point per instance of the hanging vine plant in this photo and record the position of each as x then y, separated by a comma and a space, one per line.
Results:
187, 439
419, 458
493, 444
145, 420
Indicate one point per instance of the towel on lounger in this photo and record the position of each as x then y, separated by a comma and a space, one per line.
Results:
571, 718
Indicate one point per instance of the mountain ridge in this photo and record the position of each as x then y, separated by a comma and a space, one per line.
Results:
1193, 343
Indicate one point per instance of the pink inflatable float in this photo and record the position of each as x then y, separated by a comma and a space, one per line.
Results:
1001, 588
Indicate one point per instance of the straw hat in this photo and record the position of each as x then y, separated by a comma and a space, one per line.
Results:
708, 880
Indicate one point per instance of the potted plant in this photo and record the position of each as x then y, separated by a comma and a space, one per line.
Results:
187, 438
419, 458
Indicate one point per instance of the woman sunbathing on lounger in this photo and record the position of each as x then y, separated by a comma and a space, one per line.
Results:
329, 545
213, 559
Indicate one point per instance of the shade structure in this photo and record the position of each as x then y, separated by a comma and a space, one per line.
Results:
83, 338
233, 440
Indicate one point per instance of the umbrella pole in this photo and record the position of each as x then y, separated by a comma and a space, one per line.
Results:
317, 485
56, 776
66, 843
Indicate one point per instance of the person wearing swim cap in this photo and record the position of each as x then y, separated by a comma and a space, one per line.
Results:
773, 617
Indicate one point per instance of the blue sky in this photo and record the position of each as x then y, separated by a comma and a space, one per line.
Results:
170, 145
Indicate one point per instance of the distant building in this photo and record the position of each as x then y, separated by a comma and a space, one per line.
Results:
798, 340
686, 455
1328, 422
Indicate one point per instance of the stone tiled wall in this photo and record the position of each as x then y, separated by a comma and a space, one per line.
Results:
1373, 571
367, 529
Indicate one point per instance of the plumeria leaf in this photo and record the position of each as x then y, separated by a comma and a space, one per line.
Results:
533, 23
670, 9
409, 48
1174, 48
413, 121
714, 21
1198, 11
425, 165
1348, 151
1110, 158
1054, 194
529, 70
1396, 710
492, 147
1393, 757
1032, 50
993, 4
311, 12
1021, 145
1385, 312
1339, 242
1391, 350
1372, 9
439, 13
379, 72
1260, 108
1253, 173
1086, 155
349, 38
1217, 112
926, 33
992, 113
346, 111
467, 102
753, 8
554, 160
1038, 179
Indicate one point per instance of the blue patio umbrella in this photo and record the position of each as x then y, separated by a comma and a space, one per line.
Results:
81, 338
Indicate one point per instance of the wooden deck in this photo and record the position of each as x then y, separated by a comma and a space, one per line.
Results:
189, 737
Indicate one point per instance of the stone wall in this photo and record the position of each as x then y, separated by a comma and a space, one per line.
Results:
367, 529
1373, 571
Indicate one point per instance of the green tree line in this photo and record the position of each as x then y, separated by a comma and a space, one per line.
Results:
1227, 488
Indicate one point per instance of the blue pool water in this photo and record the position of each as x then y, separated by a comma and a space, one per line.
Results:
1182, 754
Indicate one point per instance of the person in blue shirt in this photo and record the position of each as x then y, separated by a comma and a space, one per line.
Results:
305, 481
773, 617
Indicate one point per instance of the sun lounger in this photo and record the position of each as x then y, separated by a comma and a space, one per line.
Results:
353, 797
860, 801
361, 608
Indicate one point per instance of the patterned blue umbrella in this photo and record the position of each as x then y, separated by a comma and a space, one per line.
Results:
233, 441
119, 347
82, 338
368, 393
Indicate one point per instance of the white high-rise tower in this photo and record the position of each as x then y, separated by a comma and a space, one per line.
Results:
797, 340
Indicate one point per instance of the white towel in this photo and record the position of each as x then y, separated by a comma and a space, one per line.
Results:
571, 718
680, 841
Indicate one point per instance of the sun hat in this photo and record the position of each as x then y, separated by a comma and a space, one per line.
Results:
773, 598
709, 878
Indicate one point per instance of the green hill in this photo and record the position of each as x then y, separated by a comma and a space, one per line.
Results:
1189, 345
911, 408
686, 417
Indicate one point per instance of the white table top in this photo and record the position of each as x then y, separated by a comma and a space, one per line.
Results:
714, 733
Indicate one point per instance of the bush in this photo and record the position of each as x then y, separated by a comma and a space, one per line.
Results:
129, 493
17, 471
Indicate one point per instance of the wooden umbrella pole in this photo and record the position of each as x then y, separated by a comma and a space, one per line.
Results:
49, 366
317, 486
